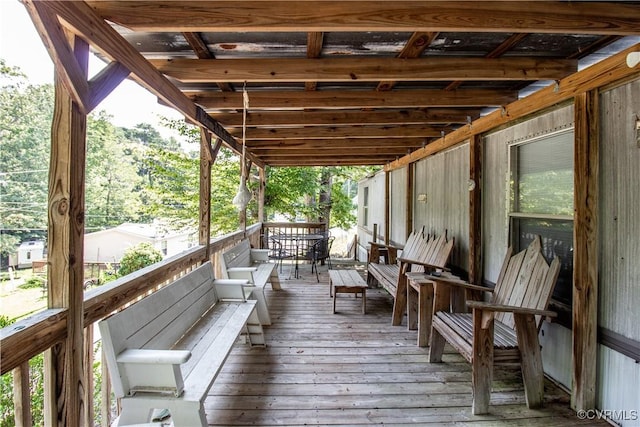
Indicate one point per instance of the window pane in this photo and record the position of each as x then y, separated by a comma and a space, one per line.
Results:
545, 176
557, 239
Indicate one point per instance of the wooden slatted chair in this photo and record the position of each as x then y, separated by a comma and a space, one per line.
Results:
503, 331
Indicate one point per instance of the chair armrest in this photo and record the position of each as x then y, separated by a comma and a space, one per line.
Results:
386, 246
481, 305
160, 357
424, 264
447, 279
260, 255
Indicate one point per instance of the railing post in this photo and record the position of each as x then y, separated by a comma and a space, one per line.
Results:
21, 396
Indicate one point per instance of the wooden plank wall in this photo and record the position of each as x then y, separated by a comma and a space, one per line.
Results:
398, 208
619, 295
444, 179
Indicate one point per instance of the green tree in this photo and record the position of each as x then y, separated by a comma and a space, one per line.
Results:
111, 178
137, 257
25, 129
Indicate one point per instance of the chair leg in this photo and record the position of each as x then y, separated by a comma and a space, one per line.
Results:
482, 361
436, 346
532, 370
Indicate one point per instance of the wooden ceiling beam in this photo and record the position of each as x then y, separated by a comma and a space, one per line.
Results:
337, 15
388, 152
329, 145
327, 161
342, 132
274, 119
337, 99
365, 69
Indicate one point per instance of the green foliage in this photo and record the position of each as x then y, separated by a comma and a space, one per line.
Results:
33, 282
25, 127
36, 387
112, 175
138, 257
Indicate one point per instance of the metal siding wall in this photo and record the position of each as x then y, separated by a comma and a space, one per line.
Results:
619, 228
620, 211
376, 203
444, 178
398, 202
555, 339
376, 211
495, 169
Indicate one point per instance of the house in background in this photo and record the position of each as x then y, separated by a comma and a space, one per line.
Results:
28, 252
108, 246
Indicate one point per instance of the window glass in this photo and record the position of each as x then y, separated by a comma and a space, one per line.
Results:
542, 202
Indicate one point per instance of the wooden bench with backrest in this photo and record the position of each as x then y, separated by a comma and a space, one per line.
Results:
420, 253
502, 331
244, 262
164, 351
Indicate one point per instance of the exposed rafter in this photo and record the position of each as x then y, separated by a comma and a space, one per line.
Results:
311, 15
418, 42
274, 119
365, 69
290, 100
343, 132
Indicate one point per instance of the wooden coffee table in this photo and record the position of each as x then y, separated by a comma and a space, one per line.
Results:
348, 282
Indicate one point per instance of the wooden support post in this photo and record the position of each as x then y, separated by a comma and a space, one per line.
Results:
64, 368
409, 195
375, 233
261, 192
585, 255
475, 210
206, 160
387, 206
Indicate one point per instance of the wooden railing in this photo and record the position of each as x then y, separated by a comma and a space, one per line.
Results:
27, 338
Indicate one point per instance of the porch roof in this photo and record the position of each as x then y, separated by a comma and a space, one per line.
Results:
345, 83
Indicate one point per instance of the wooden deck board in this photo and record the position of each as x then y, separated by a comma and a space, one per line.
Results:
349, 369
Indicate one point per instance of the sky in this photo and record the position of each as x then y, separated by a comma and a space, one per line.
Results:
21, 46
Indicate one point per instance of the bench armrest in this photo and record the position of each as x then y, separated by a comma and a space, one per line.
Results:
155, 371
260, 255
481, 305
241, 269
161, 357
233, 289
244, 273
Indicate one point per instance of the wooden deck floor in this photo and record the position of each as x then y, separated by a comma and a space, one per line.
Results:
349, 369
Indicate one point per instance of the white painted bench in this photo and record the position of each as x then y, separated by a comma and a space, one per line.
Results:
243, 262
165, 351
